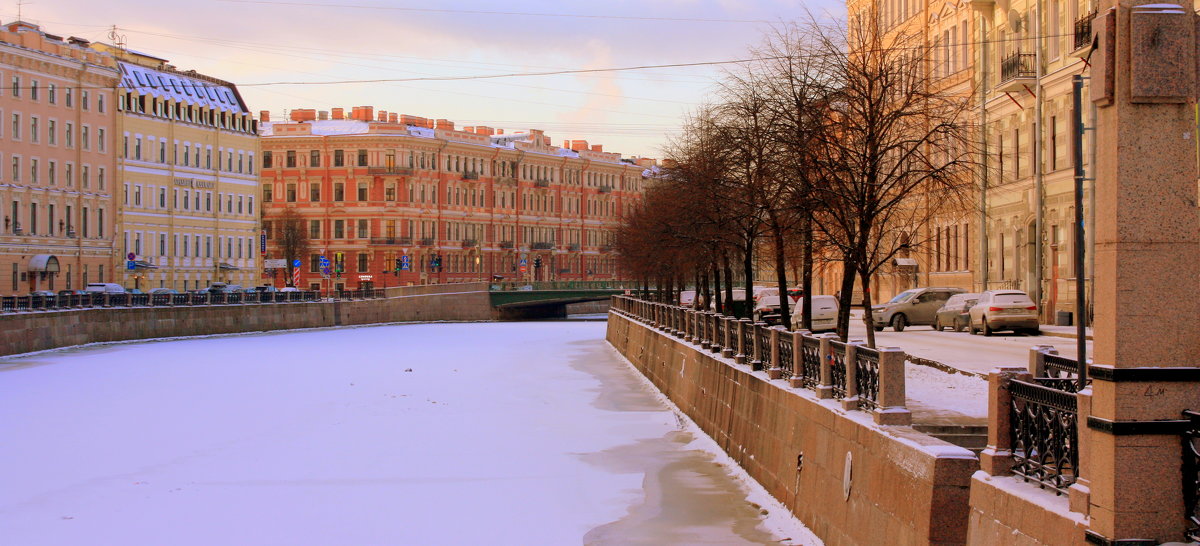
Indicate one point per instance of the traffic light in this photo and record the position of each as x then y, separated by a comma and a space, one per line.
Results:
397, 264
537, 262
339, 262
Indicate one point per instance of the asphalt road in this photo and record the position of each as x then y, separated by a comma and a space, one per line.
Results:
972, 353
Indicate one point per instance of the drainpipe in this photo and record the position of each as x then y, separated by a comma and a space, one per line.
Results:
983, 169
1037, 160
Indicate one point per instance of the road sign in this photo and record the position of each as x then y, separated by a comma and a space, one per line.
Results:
405, 263
277, 263
325, 271
262, 242
131, 265
296, 264
296, 275
524, 262
131, 256
324, 261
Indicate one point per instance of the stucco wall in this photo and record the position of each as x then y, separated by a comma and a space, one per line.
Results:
41, 330
905, 487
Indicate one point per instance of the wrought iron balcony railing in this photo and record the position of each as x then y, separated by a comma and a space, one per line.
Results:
428, 241
605, 189
470, 243
1083, 31
507, 245
470, 175
1018, 66
541, 183
394, 171
543, 246
402, 241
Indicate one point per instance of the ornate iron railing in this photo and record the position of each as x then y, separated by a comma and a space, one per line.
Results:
1191, 475
866, 377
1018, 65
97, 299
837, 366
786, 368
1045, 437
1062, 373
764, 342
1083, 31
811, 358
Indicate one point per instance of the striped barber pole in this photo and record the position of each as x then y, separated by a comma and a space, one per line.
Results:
296, 276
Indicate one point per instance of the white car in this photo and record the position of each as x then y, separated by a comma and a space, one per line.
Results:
1004, 310
687, 298
824, 314
105, 288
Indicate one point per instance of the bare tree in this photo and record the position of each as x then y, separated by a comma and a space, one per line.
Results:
291, 238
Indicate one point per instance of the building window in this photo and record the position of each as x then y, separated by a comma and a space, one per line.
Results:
314, 192
266, 189
339, 192
266, 159
339, 229
362, 158
363, 262
314, 158
362, 192
291, 159
291, 193
363, 230
339, 158
314, 263
314, 229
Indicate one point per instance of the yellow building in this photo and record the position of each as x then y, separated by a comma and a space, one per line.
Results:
187, 187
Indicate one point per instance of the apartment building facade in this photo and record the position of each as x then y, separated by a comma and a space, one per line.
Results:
187, 194
398, 200
56, 184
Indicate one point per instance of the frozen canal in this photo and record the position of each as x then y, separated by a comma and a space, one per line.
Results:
499, 433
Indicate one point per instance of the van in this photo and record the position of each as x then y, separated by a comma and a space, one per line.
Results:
105, 288
916, 306
824, 313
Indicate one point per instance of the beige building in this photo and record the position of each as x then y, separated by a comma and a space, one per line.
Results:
56, 161
187, 186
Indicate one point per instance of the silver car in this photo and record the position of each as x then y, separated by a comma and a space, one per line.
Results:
1004, 310
916, 306
824, 313
953, 313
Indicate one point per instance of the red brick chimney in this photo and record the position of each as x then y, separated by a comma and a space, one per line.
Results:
264, 116
339, 113
597, 148
304, 114
577, 145
393, 118
323, 115
382, 116
445, 124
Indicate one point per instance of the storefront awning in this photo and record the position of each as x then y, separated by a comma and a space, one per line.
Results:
44, 262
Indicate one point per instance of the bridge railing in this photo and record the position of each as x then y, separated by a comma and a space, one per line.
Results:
511, 286
858, 377
92, 300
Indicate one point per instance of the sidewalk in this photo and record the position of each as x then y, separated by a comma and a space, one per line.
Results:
1062, 331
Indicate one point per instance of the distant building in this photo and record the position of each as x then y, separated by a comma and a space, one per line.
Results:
391, 199
56, 162
187, 193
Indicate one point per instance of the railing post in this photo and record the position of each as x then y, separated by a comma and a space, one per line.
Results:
756, 363
705, 332
730, 330
773, 370
850, 401
997, 458
742, 349
1037, 359
797, 380
714, 320
825, 385
892, 405
687, 325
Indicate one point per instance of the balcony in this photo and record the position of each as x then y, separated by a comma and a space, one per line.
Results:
398, 241
506, 180
1017, 71
543, 246
428, 241
605, 189
470, 243
470, 175
573, 247
541, 183
1083, 32
507, 245
389, 171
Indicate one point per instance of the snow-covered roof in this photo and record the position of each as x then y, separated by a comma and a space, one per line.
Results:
177, 87
321, 128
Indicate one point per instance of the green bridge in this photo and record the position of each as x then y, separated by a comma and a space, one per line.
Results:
514, 300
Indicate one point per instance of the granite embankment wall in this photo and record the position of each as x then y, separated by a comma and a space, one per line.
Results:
41, 330
849, 480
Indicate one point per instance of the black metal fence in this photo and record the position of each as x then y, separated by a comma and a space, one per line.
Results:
866, 376
1045, 437
786, 349
1062, 373
747, 340
1191, 475
1018, 65
1083, 30
763, 334
9, 304
837, 367
811, 358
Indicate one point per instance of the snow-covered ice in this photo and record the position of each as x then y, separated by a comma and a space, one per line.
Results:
504, 433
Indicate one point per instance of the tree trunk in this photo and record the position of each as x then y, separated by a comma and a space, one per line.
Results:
716, 283
785, 316
807, 273
748, 269
704, 289
865, 277
728, 268
845, 297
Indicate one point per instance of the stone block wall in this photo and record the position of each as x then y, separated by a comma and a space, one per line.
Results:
905, 487
42, 330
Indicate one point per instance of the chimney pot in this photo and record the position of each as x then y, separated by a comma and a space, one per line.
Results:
339, 113
264, 116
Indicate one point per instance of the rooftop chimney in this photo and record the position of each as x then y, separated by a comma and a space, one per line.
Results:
304, 114
338, 113
597, 148
382, 116
445, 124
323, 115
264, 116
393, 118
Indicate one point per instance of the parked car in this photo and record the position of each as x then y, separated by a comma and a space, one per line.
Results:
223, 288
289, 289
42, 293
687, 298
105, 288
135, 291
955, 313
264, 288
824, 313
912, 307
767, 307
71, 292
163, 291
1004, 310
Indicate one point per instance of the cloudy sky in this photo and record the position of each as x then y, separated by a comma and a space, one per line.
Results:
268, 46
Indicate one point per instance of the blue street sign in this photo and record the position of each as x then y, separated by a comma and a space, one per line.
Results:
324, 261
130, 265
262, 242
295, 263
325, 270
524, 261
405, 263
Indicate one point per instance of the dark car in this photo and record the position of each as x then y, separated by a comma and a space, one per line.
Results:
955, 313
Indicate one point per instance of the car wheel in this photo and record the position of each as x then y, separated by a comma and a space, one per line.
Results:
937, 324
971, 328
879, 328
898, 323
958, 325
987, 330
1034, 331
